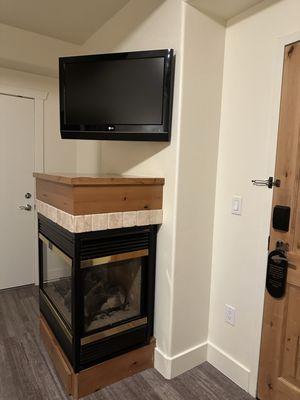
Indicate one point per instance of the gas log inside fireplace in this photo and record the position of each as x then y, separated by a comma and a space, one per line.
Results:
97, 289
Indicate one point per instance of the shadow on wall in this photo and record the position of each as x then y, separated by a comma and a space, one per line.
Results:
129, 22
122, 157
114, 36
253, 10
27, 67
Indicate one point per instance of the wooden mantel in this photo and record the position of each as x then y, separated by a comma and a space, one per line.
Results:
114, 201
82, 195
98, 180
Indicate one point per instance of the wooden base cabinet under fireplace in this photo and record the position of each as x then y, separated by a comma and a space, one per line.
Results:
97, 285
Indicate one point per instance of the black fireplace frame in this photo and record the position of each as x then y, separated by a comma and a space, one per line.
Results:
82, 246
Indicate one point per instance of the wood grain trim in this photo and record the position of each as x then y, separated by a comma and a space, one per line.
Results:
98, 180
93, 199
59, 196
111, 371
86, 200
272, 385
60, 362
107, 199
97, 377
287, 391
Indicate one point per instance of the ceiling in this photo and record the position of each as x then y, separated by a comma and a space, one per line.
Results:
223, 9
76, 20
70, 20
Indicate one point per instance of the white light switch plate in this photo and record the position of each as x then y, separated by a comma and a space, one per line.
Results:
236, 207
229, 314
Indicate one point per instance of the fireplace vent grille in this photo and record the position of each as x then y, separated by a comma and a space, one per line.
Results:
95, 247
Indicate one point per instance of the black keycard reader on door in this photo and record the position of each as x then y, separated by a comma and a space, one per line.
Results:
281, 218
277, 273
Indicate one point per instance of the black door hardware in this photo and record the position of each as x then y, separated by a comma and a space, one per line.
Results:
277, 273
270, 182
281, 218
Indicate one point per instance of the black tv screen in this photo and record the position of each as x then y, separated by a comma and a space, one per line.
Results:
123, 96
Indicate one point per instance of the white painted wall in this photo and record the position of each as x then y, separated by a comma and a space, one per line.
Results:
146, 25
248, 132
59, 155
185, 238
30, 52
198, 150
29, 60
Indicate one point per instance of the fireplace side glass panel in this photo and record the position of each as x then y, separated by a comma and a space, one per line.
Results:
57, 274
112, 293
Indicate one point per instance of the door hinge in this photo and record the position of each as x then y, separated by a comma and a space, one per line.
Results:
270, 182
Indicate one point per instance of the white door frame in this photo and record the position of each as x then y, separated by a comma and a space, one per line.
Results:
39, 97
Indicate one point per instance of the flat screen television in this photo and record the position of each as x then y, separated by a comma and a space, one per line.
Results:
119, 96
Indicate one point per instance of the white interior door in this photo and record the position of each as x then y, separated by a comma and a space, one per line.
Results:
16, 167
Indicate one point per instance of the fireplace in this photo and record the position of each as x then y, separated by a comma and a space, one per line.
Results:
97, 250
97, 289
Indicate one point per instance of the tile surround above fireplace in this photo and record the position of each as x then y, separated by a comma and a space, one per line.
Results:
99, 222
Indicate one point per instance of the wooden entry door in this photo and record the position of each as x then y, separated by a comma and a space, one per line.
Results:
279, 369
16, 167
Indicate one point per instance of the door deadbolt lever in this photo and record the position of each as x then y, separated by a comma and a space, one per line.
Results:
270, 182
282, 246
28, 207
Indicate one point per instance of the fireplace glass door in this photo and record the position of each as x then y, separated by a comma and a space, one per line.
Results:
112, 291
56, 274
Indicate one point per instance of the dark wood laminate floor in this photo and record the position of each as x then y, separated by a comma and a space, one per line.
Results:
26, 372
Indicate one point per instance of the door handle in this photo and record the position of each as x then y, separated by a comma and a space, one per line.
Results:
28, 207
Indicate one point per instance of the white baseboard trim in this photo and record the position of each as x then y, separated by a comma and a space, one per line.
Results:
170, 367
230, 367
